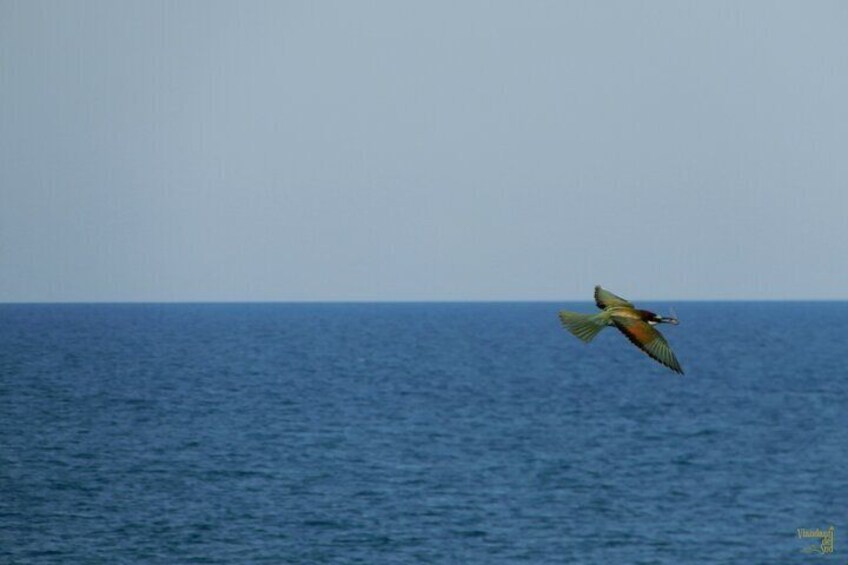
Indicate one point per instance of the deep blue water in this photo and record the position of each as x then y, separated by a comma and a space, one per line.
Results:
418, 433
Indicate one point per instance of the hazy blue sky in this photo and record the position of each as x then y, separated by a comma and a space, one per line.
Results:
202, 150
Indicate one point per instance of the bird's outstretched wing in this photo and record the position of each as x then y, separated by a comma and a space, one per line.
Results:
648, 339
604, 299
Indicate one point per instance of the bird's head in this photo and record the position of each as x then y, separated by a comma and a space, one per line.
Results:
655, 319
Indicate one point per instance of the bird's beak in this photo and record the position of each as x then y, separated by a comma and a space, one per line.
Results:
670, 320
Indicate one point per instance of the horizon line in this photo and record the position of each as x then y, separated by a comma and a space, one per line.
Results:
398, 301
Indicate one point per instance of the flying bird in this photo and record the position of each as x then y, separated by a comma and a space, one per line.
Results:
637, 325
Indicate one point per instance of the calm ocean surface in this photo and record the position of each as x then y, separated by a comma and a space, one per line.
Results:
418, 433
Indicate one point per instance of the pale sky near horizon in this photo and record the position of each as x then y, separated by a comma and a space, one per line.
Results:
244, 150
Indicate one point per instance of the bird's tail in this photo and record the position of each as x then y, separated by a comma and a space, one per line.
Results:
584, 326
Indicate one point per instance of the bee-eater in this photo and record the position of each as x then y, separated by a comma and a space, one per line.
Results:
637, 325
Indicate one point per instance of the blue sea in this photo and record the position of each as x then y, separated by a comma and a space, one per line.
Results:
419, 433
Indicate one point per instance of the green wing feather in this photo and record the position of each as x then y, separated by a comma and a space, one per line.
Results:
648, 339
605, 299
